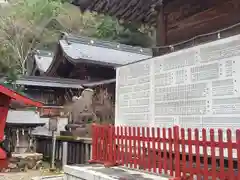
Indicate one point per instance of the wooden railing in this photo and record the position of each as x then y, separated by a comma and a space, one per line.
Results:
68, 150
187, 154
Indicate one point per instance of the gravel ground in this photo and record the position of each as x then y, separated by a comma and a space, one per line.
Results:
24, 175
19, 176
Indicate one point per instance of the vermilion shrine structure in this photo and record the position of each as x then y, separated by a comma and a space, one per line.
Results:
7, 96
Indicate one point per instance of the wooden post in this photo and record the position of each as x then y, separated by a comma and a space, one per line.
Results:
82, 152
161, 28
53, 123
87, 154
64, 153
53, 149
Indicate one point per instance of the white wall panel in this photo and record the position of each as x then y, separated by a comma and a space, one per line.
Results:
197, 87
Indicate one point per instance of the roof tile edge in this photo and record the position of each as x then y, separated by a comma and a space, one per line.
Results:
70, 38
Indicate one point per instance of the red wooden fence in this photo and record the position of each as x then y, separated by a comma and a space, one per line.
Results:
189, 154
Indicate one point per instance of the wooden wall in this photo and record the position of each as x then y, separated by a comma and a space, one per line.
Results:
221, 14
92, 72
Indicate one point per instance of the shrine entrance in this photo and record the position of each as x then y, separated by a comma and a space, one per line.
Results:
7, 97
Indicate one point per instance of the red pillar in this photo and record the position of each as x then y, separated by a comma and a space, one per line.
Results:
4, 105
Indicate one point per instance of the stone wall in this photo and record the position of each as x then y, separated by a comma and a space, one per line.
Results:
20, 162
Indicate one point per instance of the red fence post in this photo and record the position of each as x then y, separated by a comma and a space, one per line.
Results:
130, 154
213, 154
197, 151
110, 143
100, 142
176, 151
184, 162
135, 148
104, 144
165, 158
121, 147
170, 151
94, 144
205, 153
126, 147
148, 160
159, 150
238, 152
139, 158
117, 145
230, 154
154, 155
143, 163
114, 141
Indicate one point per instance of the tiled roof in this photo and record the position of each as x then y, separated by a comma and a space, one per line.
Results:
45, 81
43, 59
97, 83
82, 49
44, 130
24, 117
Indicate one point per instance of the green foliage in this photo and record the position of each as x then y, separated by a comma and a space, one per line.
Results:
11, 76
102, 27
107, 29
23, 28
133, 36
9, 72
130, 34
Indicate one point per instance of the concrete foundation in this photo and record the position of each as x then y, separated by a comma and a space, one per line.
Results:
93, 172
59, 177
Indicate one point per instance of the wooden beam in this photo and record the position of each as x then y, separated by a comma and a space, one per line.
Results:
203, 16
161, 30
179, 10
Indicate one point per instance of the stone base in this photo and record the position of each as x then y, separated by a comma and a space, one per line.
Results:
77, 130
23, 162
75, 133
65, 133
